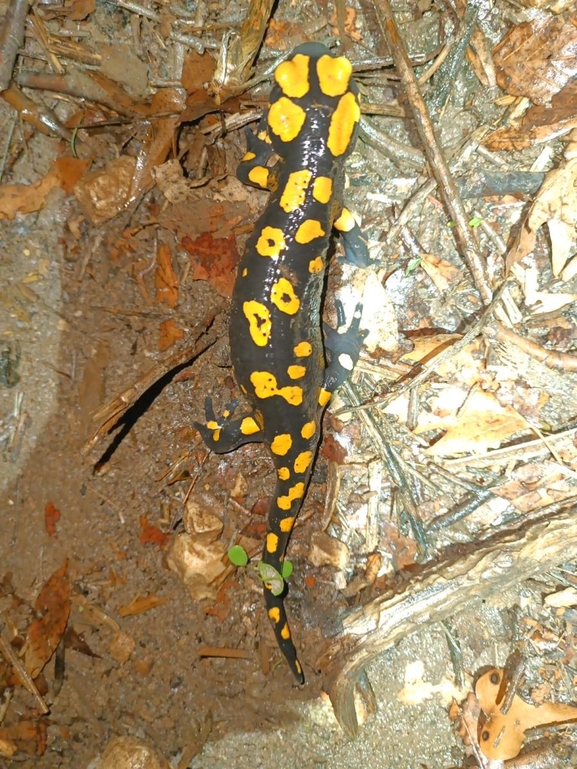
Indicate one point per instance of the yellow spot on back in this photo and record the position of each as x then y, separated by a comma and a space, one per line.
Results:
345, 222
293, 195
324, 397
271, 242
287, 524
293, 76
334, 75
284, 473
308, 429
259, 176
248, 426
343, 122
259, 322
263, 136
316, 265
295, 492
303, 349
286, 119
285, 632
271, 542
247, 156
322, 189
296, 372
283, 296
244, 272
309, 230
274, 614
281, 444
303, 461
266, 386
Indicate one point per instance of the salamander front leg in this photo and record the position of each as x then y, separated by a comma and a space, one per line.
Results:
344, 348
226, 434
253, 167
354, 240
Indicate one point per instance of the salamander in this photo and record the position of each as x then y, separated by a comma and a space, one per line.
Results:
276, 334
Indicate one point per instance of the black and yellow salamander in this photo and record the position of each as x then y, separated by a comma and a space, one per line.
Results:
276, 338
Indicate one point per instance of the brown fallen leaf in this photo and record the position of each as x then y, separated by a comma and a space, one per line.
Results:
539, 124
25, 198
25, 736
537, 58
166, 282
556, 205
170, 333
150, 534
502, 735
482, 423
51, 518
53, 609
213, 259
444, 275
141, 604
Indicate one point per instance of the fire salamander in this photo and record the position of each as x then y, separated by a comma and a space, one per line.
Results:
276, 341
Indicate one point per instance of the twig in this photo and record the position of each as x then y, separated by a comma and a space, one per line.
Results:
543, 539
110, 414
41, 118
13, 39
22, 673
433, 151
561, 361
446, 77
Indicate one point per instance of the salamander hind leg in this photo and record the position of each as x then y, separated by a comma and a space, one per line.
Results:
344, 349
226, 434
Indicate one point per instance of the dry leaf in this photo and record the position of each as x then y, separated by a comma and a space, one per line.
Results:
51, 518
213, 259
166, 282
562, 598
26, 736
25, 198
80, 9
444, 275
501, 736
482, 424
141, 604
169, 334
464, 367
537, 58
53, 609
150, 534
556, 204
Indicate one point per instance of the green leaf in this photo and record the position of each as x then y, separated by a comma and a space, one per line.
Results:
287, 569
412, 265
271, 577
238, 555
475, 221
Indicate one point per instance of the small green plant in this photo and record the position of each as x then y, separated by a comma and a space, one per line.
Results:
271, 577
238, 555
412, 265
